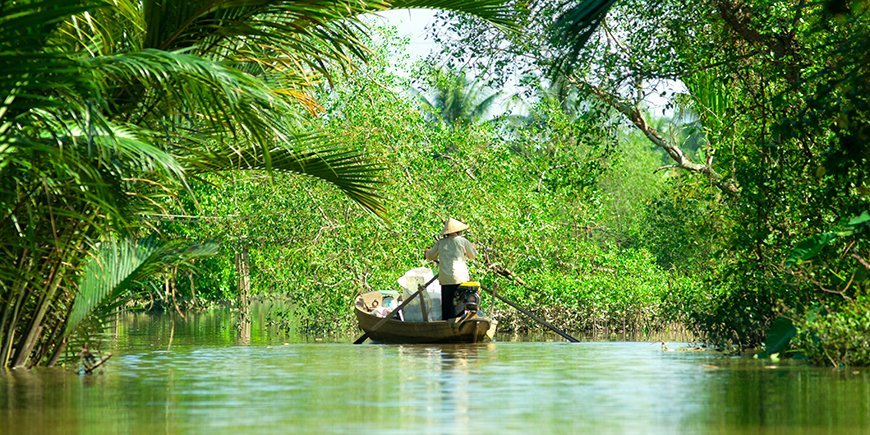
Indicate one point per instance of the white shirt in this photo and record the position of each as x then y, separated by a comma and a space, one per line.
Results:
451, 252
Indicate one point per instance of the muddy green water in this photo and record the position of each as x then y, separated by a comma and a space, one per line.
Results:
207, 383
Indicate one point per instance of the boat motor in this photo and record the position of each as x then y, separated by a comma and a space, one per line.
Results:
467, 297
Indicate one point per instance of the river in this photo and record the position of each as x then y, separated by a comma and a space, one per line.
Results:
193, 377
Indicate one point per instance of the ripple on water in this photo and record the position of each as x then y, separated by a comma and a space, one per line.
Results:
517, 387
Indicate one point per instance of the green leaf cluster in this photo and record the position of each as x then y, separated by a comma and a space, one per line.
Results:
532, 193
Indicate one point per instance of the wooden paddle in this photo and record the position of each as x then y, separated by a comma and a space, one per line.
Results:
394, 312
510, 275
534, 317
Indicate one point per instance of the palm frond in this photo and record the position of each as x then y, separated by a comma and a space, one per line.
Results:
455, 99
713, 103
118, 265
28, 25
34, 79
314, 34
573, 28
202, 95
496, 12
305, 154
430, 108
105, 105
311, 36
482, 108
710, 94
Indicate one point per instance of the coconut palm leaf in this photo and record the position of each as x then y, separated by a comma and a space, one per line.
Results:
119, 265
19, 19
455, 99
30, 59
223, 99
711, 104
305, 154
71, 165
314, 34
493, 11
482, 107
573, 28
711, 98
107, 105
174, 83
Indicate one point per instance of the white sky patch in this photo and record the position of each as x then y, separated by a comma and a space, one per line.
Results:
412, 23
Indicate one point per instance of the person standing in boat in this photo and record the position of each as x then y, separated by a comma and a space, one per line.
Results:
451, 252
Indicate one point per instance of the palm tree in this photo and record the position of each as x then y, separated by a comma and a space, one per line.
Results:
108, 107
553, 93
455, 100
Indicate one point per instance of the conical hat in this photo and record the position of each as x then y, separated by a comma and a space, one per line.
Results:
453, 226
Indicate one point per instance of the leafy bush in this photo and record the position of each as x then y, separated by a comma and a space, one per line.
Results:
839, 337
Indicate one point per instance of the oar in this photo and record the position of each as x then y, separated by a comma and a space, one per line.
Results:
536, 318
399, 308
509, 275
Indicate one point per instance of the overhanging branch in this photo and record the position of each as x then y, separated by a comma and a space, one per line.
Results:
633, 113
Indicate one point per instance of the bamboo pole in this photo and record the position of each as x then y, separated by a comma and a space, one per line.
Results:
535, 317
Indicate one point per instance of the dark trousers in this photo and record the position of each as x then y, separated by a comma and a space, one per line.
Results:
448, 295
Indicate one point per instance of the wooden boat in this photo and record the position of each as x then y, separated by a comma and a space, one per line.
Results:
469, 328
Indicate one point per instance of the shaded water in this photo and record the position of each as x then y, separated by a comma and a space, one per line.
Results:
205, 383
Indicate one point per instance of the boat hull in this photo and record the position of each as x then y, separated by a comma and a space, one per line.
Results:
472, 329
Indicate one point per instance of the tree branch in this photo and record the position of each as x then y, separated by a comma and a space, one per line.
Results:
633, 113
862, 261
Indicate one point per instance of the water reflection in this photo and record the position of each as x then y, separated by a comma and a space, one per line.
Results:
212, 385
750, 396
216, 327
437, 382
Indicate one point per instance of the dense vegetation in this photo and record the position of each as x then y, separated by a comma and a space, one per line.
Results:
738, 212
532, 201
111, 109
768, 212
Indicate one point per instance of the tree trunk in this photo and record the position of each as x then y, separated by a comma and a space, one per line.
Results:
192, 288
35, 326
243, 269
53, 339
58, 351
56, 265
11, 311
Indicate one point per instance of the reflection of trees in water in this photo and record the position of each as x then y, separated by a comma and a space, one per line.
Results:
436, 383
750, 395
215, 326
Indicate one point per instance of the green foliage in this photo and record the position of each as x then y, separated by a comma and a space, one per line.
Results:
834, 330
634, 196
812, 246
838, 337
778, 93
109, 109
775, 107
575, 26
532, 198
453, 100
143, 110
